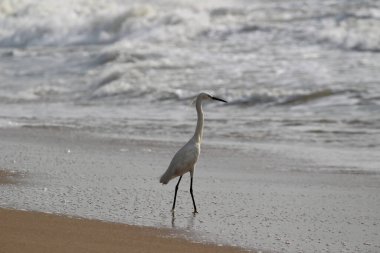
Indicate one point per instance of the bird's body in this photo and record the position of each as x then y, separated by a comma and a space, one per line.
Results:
186, 158
183, 161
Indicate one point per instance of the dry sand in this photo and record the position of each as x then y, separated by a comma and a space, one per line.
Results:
38, 232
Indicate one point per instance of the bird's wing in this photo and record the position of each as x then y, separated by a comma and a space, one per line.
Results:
184, 159
182, 162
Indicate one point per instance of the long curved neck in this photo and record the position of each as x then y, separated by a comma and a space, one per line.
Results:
199, 129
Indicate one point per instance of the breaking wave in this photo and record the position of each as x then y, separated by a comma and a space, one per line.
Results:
54, 23
288, 98
351, 32
26, 23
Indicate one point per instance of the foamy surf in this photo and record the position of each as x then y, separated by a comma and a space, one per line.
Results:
295, 72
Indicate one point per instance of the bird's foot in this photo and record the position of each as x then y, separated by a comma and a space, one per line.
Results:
195, 211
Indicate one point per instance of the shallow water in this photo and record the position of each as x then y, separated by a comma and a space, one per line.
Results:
293, 71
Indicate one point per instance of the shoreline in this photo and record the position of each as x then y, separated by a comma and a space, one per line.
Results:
268, 197
29, 231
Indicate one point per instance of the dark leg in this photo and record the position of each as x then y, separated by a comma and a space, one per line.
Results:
191, 192
175, 194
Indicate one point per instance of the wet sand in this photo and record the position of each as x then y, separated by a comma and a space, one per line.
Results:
261, 197
38, 232
5, 177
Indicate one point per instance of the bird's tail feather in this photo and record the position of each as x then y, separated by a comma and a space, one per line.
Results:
165, 178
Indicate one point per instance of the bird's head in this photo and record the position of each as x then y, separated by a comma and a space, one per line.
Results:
205, 97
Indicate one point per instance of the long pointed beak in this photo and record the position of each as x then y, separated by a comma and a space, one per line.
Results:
219, 99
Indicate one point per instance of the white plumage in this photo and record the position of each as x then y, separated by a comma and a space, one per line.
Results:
185, 159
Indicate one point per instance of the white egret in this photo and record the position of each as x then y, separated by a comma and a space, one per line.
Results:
185, 159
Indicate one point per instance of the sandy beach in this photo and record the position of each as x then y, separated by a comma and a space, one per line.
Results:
261, 197
38, 232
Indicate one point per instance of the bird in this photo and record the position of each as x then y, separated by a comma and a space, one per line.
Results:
186, 158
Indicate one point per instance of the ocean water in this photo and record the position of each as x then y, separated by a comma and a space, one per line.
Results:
292, 71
